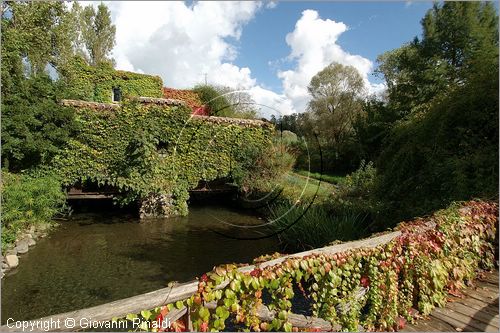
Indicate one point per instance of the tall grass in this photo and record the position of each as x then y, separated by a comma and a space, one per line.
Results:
28, 201
303, 228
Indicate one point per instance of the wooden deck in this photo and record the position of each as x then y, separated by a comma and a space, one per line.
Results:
476, 311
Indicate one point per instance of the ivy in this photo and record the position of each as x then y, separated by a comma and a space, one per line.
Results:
96, 83
378, 288
145, 148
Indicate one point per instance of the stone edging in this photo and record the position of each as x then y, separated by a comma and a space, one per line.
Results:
22, 245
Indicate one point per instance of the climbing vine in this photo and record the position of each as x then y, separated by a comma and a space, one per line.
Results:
378, 288
147, 148
89, 83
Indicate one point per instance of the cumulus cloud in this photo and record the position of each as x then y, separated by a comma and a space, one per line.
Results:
313, 45
185, 44
182, 43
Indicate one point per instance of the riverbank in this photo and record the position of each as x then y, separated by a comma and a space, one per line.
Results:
13, 252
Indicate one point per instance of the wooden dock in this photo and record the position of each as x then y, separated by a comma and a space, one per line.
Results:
476, 311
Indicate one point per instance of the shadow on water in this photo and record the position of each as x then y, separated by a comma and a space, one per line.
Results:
103, 254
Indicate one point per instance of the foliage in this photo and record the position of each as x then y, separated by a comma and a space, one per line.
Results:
451, 154
144, 149
28, 200
457, 37
377, 288
213, 99
34, 126
97, 33
333, 179
38, 32
258, 168
96, 83
336, 93
190, 97
315, 226
226, 102
446, 149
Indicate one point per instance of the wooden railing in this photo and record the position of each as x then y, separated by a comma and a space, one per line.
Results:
179, 292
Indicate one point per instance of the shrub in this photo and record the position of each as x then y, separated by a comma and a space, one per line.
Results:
27, 201
301, 227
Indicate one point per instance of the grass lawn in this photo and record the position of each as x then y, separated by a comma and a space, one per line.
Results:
301, 188
334, 179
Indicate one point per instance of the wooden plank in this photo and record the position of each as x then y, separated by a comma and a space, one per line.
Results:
482, 316
486, 286
434, 325
478, 305
123, 307
176, 314
460, 321
482, 295
490, 278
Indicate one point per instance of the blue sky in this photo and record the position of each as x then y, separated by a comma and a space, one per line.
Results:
245, 45
374, 27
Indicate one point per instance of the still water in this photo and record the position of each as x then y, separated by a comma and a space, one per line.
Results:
95, 258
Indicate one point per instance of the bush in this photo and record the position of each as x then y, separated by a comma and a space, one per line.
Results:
27, 201
302, 227
259, 170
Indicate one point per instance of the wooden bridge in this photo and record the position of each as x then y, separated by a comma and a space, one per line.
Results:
477, 310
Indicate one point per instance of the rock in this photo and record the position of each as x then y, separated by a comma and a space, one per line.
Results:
43, 227
28, 236
22, 246
32, 230
12, 260
5, 265
31, 242
12, 251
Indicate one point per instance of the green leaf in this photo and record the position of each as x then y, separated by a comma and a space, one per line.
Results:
146, 314
131, 316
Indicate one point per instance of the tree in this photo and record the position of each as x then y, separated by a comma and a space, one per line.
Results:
337, 93
226, 102
447, 150
456, 37
37, 34
34, 126
97, 33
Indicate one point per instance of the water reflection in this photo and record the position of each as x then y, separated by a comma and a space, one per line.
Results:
97, 258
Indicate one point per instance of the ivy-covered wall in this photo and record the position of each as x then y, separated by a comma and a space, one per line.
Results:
146, 147
96, 84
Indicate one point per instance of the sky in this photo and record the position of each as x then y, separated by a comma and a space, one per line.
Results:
270, 49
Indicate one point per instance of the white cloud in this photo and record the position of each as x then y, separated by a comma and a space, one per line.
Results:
313, 45
182, 43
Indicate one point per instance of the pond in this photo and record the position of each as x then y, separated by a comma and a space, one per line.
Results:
95, 258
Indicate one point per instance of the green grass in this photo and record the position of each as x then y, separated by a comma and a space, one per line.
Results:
334, 179
297, 187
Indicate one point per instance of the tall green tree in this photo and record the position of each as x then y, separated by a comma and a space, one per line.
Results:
448, 149
97, 33
456, 37
337, 93
34, 126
